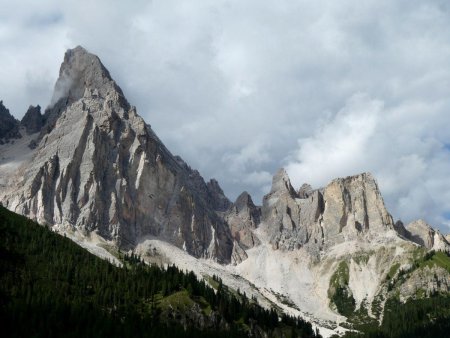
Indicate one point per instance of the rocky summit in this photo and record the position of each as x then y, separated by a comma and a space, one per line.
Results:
346, 209
99, 168
90, 167
33, 120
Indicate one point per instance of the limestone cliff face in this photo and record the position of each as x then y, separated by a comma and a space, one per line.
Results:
423, 234
430, 280
98, 167
290, 220
354, 206
242, 217
347, 208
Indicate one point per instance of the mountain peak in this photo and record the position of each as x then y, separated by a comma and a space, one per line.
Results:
361, 177
33, 119
78, 49
217, 197
99, 168
355, 205
81, 71
242, 217
281, 183
82, 75
244, 200
9, 126
422, 233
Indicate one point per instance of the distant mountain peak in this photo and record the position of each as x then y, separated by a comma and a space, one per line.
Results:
244, 200
422, 233
281, 183
33, 120
9, 126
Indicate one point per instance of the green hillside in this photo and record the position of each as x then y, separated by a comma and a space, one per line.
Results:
51, 287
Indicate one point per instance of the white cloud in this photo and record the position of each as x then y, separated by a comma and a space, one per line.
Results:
254, 153
338, 148
258, 179
232, 86
410, 162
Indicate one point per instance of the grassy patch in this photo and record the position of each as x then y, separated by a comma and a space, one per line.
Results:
179, 300
211, 281
418, 253
420, 294
339, 292
362, 258
437, 258
341, 276
204, 305
111, 249
393, 270
421, 260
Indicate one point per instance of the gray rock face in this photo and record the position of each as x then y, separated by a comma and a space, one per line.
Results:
243, 217
430, 280
354, 206
217, 198
291, 221
305, 191
238, 255
347, 208
33, 120
281, 185
9, 126
423, 234
211, 191
99, 167
82, 74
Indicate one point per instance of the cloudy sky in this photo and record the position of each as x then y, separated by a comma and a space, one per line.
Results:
241, 88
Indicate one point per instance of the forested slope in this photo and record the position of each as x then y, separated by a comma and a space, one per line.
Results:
51, 287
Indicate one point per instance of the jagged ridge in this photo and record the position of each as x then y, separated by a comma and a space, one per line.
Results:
99, 167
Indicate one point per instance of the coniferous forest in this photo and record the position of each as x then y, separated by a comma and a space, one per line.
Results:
416, 318
51, 287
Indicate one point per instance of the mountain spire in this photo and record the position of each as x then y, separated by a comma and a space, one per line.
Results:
81, 71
